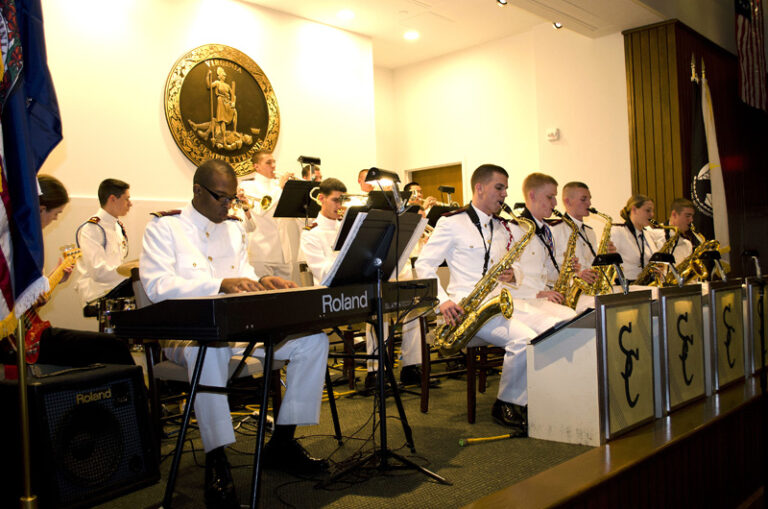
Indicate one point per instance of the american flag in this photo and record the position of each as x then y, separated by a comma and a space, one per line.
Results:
751, 48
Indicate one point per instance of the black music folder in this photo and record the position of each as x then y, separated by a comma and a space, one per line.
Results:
295, 200
376, 233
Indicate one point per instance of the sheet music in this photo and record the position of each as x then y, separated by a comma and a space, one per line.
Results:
345, 248
405, 257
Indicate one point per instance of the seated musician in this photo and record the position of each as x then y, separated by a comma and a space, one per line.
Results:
196, 252
317, 250
67, 347
542, 259
471, 240
104, 245
632, 241
577, 200
681, 217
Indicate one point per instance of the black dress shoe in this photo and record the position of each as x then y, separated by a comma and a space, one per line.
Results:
512, 416
219, 486
411, 375
289, 456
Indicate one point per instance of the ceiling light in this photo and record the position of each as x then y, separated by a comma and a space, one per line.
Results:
501, 2
557, 25
411, 35
345, 15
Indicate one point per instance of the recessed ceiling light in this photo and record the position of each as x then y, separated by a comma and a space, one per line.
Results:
557, 25
411, 35
345, 15
501, 2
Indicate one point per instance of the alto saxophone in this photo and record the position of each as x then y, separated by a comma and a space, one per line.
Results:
450, 339
568, 285
605, 275
649, 276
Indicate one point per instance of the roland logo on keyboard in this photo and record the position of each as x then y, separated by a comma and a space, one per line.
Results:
344, 302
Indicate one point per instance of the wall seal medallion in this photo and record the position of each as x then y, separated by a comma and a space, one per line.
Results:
220, 105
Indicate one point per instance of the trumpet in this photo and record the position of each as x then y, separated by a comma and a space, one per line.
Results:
421, 201
250, 202
354, 200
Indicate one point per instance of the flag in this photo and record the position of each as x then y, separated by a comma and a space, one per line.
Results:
31, 128
717, 185
750, 46
701, 187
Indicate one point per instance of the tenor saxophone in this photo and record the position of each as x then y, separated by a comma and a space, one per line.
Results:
450, 339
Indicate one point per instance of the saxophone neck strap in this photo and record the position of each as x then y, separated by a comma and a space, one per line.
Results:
486, 245
540, 234
583, 237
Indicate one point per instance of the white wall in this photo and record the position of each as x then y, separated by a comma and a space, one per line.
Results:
472, 107
492, 103
582, 90
110, 61
387, 127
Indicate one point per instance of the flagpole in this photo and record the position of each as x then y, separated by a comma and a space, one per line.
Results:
28, 500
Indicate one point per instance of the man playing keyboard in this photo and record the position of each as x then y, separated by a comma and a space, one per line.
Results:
199, 251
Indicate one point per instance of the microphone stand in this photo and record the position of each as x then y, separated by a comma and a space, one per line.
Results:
380, 457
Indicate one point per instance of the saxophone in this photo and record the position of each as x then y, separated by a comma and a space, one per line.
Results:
649, 276
568, 285
605, 275
692, 269
450, 339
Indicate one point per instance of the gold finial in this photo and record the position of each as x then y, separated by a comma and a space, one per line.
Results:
703, 69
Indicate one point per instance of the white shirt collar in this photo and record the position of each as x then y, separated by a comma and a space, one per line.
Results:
327, 224
106, 217
482, 216
577, 222
201, 222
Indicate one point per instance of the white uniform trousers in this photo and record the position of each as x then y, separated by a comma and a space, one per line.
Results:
307, 359
410, 345
513, 336
541, 314
531, 317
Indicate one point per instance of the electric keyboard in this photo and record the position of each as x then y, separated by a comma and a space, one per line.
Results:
270, 314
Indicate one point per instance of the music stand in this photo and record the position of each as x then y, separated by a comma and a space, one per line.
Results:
346, 224
295, 200
385, 200
373, 248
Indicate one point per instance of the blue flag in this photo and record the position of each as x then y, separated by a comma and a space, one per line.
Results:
31, 128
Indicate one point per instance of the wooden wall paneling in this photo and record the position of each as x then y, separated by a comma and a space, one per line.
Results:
646, 81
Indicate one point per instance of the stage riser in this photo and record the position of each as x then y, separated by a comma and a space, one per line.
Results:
716, 466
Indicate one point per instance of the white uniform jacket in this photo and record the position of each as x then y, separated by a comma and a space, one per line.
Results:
187, 255
681, 249
535, 263
317, 247
104, 246
634, 247
457, 241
